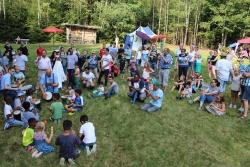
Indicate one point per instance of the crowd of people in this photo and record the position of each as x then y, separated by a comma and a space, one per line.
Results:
63, 76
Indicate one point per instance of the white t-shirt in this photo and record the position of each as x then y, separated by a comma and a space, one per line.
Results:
191, 56
138, 56
7, 110
145, 74
17, 102
223, 67
106, 59
88, 130
44, 63
21, 61
89, 77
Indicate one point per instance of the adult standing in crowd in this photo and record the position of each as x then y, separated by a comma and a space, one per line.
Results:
102, 51
24, 49
63, 57
21, 60
72, 59
245, 88
93, 62
182, 63
213, 61
165, 64
106, 61
39, 50
224, 70
8, 50
153, 57
43, 63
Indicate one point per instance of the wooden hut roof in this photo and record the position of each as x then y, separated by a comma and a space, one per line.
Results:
82, 26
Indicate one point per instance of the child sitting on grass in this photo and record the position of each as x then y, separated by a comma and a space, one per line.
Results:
8, 115
196, 82
27, 114
56, 108
28, 135
217, 107
99, 91
41, 140
68, 142
186, 91
87, 135
77, 104
179, 84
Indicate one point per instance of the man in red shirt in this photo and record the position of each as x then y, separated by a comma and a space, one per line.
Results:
102, 51
39, 51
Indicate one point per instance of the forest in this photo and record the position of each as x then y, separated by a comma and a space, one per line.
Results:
202, 22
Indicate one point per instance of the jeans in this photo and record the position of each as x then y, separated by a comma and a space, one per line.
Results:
13, 122
149, 107
206, 98
111, 91
106, 74
133, 95
153, 65
223, 85
164, 76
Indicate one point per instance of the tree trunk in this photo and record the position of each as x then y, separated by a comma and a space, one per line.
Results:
153, 20
38, 12
187, 21
159, 22
4, 12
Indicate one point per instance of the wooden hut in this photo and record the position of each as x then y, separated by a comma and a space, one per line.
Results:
80, 34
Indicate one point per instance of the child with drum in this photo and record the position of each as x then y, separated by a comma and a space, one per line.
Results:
27, 114
56, 108
77, 104
9, 116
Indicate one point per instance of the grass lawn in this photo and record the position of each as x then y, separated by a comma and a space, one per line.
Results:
177, 136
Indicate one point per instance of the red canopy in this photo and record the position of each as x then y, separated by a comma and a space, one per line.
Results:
160, 36
244, 40
52, 29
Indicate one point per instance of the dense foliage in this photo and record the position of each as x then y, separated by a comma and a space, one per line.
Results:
204, 22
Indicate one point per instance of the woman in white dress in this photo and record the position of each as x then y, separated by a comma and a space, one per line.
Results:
58, 70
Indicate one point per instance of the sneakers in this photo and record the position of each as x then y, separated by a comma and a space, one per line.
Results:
93, 149
36, 154
241, 109
6, 126
71, 161
62, 162
190, 101
231, 105
88, 151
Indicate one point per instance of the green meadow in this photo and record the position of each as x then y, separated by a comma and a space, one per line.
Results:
177, 136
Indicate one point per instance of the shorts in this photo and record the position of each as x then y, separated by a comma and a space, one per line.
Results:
245, 93
235, 93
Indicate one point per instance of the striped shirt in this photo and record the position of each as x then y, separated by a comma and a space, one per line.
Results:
166, 61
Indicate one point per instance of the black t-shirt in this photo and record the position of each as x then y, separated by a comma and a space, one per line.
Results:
120, 52
212, 60
67, 145
153, 56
